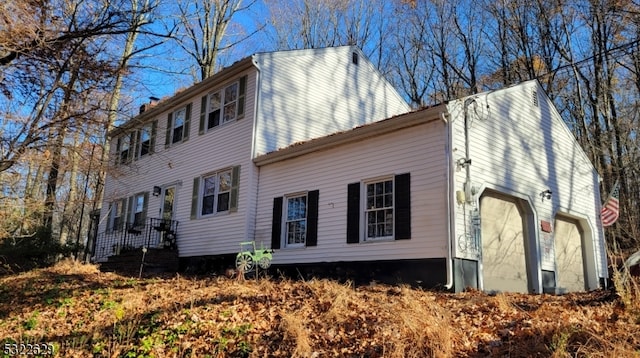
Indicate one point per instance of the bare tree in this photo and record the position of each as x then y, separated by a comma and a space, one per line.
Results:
204, 25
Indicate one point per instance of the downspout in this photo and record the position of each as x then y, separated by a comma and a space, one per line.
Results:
253, 147
450, 227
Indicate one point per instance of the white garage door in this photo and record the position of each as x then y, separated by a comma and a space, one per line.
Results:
569, 258
504, 265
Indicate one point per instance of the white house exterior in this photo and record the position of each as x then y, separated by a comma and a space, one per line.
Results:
510, 203
183, 167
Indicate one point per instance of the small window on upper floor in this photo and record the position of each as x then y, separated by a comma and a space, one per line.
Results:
178, 126
354, 58
223, 105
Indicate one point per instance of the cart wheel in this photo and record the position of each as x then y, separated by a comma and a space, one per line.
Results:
264, 263
244, 262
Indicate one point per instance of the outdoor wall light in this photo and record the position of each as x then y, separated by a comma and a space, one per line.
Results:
156, 190
546, 194
463, 162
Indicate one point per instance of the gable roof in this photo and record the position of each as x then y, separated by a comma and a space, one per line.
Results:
226, 74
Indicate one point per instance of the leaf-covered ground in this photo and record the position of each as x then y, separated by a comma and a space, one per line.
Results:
85, 313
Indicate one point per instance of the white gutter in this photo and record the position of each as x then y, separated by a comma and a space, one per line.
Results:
449, 200
256, 101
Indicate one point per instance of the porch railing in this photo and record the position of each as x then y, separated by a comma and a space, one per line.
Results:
154, 233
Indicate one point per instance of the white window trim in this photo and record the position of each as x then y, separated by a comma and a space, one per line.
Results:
363, 205
174, 117
148, 126
115, 205
201, 189
285, 207
222, 121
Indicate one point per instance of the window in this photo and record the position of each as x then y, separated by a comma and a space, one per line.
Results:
379, 209
117, 214
295, 220
215, 193
178, 126
138, 214
222, 106
146, 140
123, 148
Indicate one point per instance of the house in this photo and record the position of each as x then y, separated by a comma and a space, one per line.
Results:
313, 154
182, 173
491, 191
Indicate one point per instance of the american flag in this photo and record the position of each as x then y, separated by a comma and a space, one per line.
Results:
610, 209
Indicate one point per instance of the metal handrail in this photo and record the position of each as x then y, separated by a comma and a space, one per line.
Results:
153, 233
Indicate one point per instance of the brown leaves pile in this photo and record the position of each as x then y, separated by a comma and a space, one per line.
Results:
84, 312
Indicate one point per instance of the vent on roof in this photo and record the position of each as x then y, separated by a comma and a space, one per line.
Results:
354, 58
534, 98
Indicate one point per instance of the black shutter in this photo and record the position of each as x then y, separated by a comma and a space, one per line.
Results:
152, 140
276, 223
203, 113
402, 207
312, 218
353, 213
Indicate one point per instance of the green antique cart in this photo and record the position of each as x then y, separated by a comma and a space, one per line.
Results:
249, 256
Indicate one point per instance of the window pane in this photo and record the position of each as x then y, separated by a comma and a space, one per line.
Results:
223, 202
214, 119
214, 101
225, 181
207, 204
177, 134
231, 93
209, 185
229, 112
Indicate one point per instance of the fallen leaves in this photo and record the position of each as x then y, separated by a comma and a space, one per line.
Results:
85, 312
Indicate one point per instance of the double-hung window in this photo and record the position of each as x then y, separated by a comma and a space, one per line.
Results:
177, 130
139, 207
124, 151
117, 213
379, 209
178, 126
146, 139
223, 105
296, 220
215, 193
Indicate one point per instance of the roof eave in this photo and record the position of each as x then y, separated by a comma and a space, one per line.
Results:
389, 125
221, 76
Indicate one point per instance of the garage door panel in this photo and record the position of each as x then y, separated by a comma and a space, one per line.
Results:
569, 256
503, 246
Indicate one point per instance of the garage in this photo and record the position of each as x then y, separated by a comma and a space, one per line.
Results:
569, 255
504, 254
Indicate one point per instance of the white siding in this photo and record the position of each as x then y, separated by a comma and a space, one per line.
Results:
523, 149
222, 147
419, 150
311, 93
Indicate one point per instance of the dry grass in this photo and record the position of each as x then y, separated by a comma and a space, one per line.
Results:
84, 312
